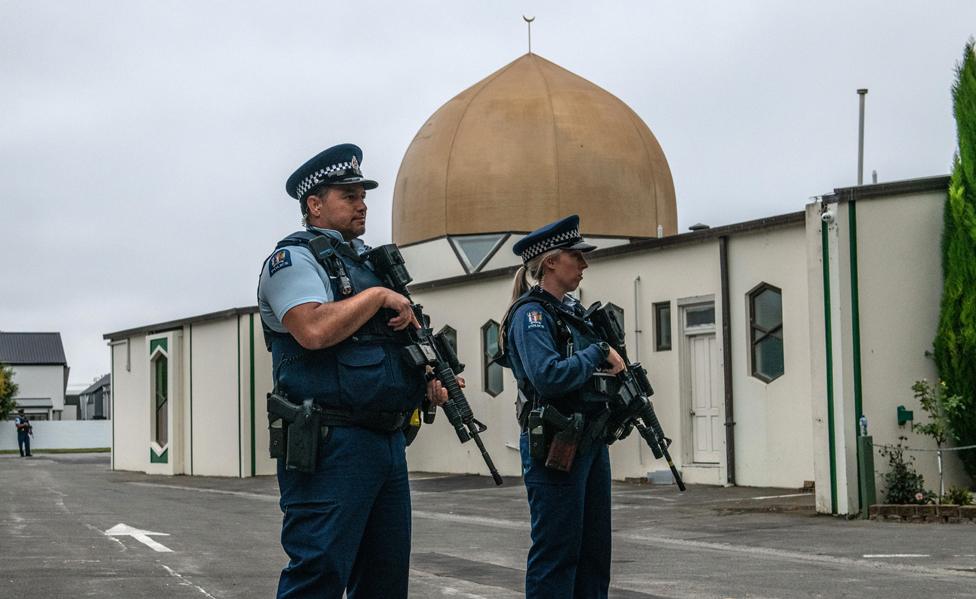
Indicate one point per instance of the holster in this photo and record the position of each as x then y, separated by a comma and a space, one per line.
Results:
562, 449
294, 430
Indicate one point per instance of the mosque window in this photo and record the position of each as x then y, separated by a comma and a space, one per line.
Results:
766, 332
474, 251
160, 398
491, 372
662, 326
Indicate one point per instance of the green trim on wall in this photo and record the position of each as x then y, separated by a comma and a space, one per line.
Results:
240, 465
855, 334
191, 400
832, 458
251, 379
111, 353
161, 342
162, 458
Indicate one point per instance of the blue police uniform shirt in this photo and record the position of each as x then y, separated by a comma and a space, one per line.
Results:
292, 276
535, 356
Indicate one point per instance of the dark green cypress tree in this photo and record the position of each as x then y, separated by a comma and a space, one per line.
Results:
955, 343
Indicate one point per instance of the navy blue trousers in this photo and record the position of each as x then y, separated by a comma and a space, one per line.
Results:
571, 536
347, 526
23, 442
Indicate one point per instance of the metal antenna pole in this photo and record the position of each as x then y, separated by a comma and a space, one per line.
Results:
529, 20
860, 137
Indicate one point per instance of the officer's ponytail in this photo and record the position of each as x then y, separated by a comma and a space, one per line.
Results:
534, 268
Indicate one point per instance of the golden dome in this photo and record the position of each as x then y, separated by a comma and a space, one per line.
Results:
528, 144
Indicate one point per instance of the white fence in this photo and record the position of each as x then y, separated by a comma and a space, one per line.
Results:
64, 434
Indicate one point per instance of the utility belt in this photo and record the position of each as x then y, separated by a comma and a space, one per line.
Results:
557, 436
296, 429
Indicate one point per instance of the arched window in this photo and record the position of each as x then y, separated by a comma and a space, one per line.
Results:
766, 332
491, 372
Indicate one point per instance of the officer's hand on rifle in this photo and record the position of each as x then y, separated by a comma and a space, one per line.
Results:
437, 393
404, 309
617, 364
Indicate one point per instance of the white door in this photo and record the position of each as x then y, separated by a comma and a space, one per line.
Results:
706, 418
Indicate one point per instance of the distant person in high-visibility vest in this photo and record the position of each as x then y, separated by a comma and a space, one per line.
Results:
24, 433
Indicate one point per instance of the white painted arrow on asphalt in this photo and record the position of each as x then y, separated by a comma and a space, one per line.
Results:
124, 530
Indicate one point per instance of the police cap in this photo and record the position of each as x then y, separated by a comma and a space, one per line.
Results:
562, 234
338, 165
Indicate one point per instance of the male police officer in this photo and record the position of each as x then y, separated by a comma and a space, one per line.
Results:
23, 433
331, 328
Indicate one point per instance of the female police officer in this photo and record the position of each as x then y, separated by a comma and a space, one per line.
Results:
554, 354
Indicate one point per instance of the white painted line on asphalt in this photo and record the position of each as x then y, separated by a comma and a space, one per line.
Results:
764, 497
423, 476
124, 530
260, 496
788, 555
492, 522
185, 582
884, 555
689, 544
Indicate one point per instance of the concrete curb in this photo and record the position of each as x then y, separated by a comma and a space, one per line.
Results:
945, 514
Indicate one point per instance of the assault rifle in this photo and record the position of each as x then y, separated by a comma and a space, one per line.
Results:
433, 350
630, 392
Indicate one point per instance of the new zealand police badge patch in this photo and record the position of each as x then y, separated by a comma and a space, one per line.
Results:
280, 259
534, 320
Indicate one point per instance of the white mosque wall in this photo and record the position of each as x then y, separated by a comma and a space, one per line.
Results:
212, 402
135, 446
900, 288
431, 260
130, 409
213, 438
437, 449
681, 273
263, 384
773, 436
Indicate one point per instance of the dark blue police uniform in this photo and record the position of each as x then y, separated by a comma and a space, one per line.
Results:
553, 355
23, 435
346, 526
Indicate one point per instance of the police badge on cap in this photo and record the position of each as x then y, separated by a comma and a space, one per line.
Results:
563, 234
338, 165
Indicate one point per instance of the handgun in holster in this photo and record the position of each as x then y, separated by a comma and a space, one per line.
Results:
562, 449
295, 430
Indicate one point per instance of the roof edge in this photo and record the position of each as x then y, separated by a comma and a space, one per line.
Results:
876, 190
772, 222
179, 323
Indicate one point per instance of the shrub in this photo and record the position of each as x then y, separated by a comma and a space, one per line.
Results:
902, 483
958, 496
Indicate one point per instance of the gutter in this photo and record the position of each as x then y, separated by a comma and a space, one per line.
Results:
723, 257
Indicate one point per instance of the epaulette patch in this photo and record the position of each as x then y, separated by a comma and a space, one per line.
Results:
281, 259
534, 320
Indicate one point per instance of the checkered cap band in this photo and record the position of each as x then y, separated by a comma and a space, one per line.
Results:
564, 239
335, 171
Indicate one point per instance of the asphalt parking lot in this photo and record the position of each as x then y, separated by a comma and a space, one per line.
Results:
60, 536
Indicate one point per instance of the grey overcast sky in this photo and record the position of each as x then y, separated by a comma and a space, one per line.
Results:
144, 145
